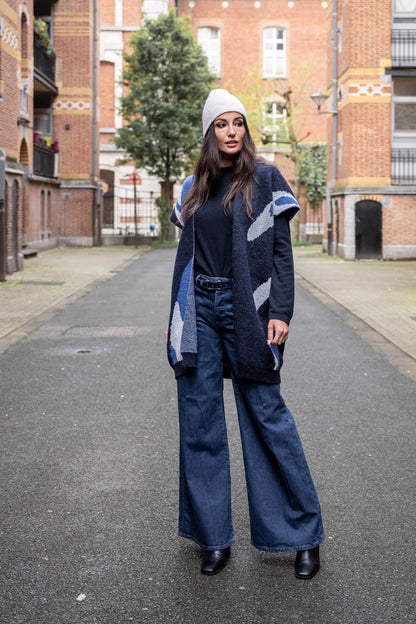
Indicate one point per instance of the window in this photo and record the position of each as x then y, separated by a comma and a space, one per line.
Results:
274, 52
274, 126
404, 6
403, 153
404, 13
42, 121
210, 41
404, 109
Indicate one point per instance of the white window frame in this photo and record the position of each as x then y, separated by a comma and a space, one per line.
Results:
402, 138
273, 119
209, 38
274, 55
402, 18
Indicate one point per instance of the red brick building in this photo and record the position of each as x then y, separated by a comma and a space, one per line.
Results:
281, 46
372, 209
265, 38
47, 118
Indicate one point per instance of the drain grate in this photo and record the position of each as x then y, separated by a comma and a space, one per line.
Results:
102, 331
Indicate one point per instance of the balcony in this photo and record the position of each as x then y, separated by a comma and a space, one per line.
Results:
44, 160
44, 70
403, 166
403, 48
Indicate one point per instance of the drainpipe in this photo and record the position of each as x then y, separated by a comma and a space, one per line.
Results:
331, 186
3, 225
96, 211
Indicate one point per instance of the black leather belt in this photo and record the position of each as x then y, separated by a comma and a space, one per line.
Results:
213, 283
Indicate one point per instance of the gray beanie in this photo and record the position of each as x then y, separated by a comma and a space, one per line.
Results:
220, 101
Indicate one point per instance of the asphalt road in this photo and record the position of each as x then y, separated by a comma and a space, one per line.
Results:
89, 443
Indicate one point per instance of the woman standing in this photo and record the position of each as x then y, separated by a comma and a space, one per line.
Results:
232, 302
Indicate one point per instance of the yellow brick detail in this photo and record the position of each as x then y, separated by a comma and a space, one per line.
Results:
364, 99
363, 182
6, 10
71, 91
74, 176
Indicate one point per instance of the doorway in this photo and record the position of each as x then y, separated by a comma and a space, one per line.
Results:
368, 230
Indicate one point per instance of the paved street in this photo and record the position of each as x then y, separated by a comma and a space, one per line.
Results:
89, 469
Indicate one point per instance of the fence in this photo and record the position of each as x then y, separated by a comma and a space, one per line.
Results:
44, 160
44, 60
403, 48
119, 212
403, 166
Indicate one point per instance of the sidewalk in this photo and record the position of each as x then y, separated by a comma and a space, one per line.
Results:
52, 281
381, 294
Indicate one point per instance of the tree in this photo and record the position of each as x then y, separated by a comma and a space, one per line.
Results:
295, 100
167, 80
254, 91
313, 171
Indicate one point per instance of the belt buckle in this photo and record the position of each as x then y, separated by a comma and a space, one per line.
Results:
212, 285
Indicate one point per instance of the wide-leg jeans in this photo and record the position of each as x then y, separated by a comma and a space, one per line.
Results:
284, 509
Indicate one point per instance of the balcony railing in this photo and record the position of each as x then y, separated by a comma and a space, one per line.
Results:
403, 48
44, 160
44, 59
403, 166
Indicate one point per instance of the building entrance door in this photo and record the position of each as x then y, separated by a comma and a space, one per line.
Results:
15, 224
368, 230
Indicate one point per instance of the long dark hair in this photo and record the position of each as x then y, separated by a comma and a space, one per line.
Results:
208, 171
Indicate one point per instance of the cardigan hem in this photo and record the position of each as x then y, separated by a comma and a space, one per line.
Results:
264, 375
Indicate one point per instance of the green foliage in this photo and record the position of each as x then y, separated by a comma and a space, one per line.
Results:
164, 209
253, 90
313, 170
167, 80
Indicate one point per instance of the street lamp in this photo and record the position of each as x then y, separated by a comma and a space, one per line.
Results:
319, 98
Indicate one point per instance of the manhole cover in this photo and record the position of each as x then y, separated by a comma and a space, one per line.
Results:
101, 331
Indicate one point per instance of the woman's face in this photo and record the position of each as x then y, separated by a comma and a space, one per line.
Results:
229, 131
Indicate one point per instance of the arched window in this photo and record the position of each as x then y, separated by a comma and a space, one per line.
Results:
274, 52
210, 41
24, 153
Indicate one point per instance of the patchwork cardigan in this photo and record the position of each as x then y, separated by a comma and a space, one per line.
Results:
252, 257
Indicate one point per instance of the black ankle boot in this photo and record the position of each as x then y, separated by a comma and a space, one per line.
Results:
307, 563
213, 561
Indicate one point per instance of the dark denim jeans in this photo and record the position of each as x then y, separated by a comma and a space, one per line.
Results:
284, 508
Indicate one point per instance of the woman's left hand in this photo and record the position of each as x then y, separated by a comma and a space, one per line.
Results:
277, 332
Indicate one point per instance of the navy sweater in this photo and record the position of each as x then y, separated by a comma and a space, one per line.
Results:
253, 258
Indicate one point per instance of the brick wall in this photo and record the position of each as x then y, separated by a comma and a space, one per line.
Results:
73, 30
399, 221
242, 26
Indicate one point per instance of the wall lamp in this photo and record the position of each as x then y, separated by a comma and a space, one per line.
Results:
319, 98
